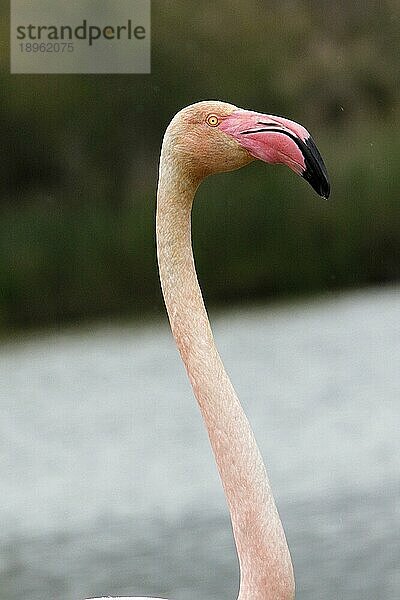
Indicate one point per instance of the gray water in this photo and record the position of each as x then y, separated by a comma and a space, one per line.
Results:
108, 485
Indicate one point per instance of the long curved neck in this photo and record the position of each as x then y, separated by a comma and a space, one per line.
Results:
265, 564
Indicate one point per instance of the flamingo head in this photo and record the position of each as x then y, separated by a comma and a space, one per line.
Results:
211, 136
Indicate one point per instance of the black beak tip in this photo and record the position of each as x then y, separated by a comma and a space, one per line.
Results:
315, 172
320, 185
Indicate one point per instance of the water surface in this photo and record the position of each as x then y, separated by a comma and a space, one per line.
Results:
109, 486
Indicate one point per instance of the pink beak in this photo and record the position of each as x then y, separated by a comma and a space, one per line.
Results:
277, 140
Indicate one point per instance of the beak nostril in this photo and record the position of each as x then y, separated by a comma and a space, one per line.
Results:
270, 124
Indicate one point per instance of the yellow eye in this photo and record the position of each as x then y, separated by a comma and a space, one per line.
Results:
212, 120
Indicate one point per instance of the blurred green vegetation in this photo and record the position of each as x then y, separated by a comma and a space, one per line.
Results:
79, 158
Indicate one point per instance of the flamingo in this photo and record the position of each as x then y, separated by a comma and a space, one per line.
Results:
202, 139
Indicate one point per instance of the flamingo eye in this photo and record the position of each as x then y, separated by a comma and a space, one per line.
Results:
212, 120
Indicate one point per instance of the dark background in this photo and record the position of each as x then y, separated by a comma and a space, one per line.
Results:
79, 157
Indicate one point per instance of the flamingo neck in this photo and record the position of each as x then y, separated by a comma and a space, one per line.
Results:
265, 565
